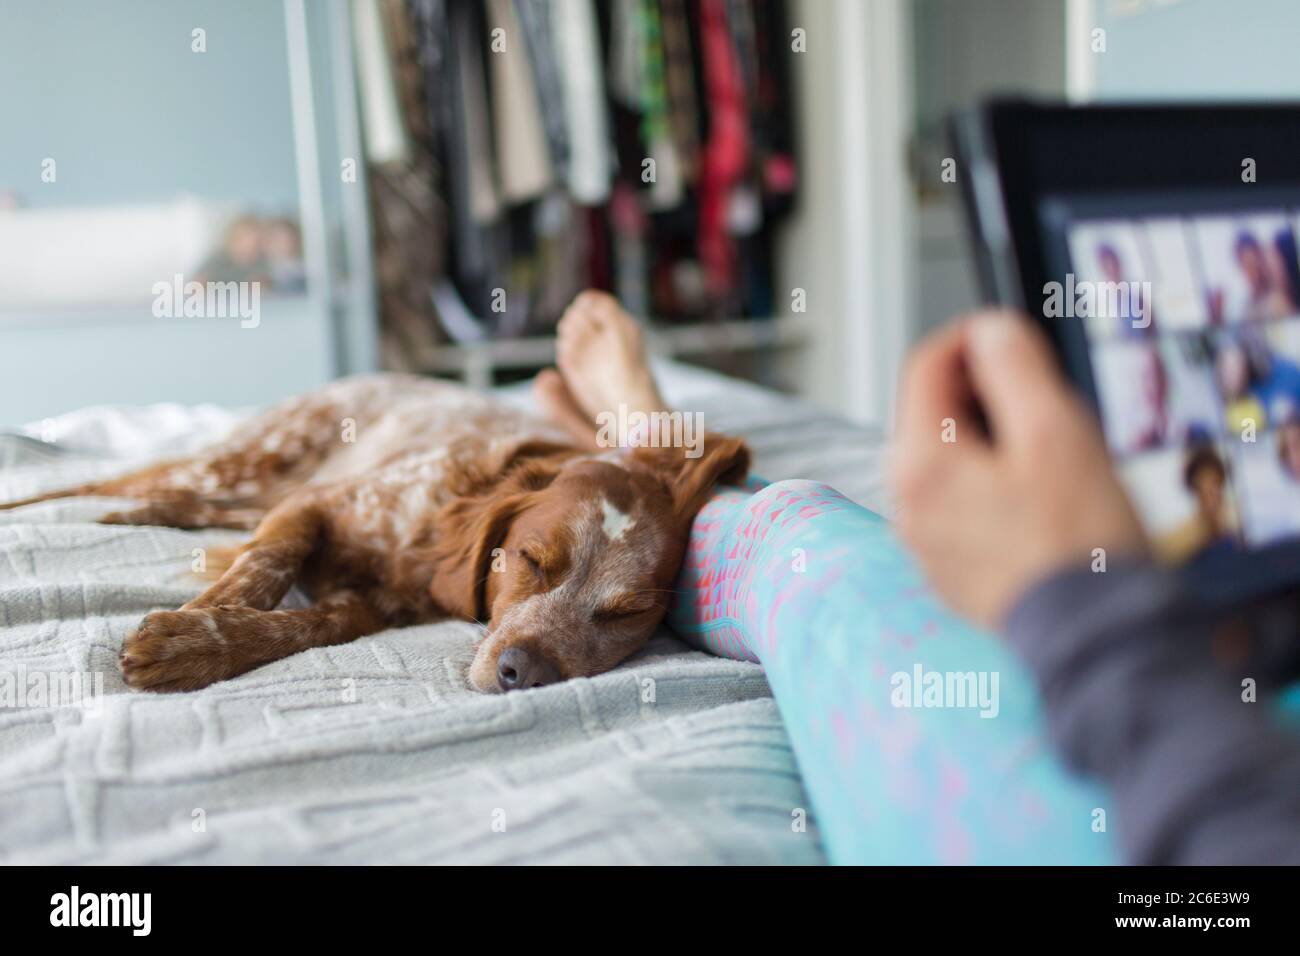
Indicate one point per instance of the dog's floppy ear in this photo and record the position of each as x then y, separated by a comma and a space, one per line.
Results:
469, 529
492, 491
526, 466
724, 460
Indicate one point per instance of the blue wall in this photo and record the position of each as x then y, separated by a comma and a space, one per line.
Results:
114, 94
111, 90
1209, 49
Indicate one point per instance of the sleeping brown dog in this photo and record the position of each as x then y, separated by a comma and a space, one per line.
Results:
394, 500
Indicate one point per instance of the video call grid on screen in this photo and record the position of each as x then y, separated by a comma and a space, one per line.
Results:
1189, 309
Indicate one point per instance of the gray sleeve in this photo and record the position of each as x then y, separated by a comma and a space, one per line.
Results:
1137, 693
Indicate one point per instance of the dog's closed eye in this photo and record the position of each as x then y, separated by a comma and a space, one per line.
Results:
622, 609
534, 563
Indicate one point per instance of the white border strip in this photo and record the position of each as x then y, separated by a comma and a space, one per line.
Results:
1080, 61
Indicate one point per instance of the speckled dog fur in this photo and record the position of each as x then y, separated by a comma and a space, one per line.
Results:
394, 500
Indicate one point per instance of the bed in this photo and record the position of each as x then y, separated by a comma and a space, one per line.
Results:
375, 751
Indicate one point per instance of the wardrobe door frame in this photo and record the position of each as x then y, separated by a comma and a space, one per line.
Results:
323, 88
851, 241
879, 272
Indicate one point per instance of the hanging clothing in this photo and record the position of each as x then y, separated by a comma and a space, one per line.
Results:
680, 84
577, 52
408, 220
382, 125
484, 199
536, 17
773, 110
740, 23
726, 154
525, 161
522, 151
471, 192
627, 221
626, 53
666, 184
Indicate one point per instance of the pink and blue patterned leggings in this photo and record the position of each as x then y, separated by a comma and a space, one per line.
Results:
900, 766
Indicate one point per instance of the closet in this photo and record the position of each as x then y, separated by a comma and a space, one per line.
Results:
534, 149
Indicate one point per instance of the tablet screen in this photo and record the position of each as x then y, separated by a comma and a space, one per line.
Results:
1190, 310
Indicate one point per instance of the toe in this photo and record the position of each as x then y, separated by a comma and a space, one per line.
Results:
595, 300
551, 393
579, 320
547, 382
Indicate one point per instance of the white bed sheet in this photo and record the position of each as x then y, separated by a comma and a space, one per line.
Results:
374, 751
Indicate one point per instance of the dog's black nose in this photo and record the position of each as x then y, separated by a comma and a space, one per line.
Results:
519, 669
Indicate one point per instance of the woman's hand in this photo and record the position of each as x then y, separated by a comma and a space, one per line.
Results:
992, 507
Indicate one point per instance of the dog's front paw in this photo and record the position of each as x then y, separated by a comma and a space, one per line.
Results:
177, 650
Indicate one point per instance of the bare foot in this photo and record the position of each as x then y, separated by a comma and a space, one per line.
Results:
562, 408
601, 355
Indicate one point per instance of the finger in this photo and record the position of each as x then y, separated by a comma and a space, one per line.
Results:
1016, 378
938, 439
936, 402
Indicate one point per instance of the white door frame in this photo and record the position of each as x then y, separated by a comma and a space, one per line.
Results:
1080, 61
877, 240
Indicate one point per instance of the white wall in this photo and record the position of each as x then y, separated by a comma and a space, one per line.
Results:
1188, 49
132, 115
879, 268
806, 254
967, 50
847, 244
116, 95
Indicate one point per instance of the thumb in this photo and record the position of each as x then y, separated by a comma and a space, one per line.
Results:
1015, 377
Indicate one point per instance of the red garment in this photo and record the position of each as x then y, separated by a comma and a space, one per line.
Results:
725, 156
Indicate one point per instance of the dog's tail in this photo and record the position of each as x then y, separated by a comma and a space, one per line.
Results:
50, 496
136, 484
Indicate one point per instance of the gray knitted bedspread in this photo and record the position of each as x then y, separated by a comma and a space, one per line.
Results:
375, 751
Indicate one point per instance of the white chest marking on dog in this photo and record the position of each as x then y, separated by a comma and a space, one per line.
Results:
615, 523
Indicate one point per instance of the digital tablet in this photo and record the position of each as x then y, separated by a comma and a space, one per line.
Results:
1158, 247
